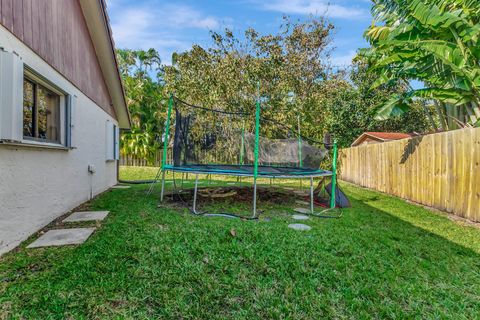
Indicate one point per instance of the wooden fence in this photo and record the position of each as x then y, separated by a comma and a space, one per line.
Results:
439, 170
128, 160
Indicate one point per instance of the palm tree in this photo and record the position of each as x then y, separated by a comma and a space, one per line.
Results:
140, 74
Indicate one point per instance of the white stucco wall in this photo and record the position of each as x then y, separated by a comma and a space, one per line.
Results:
38, 185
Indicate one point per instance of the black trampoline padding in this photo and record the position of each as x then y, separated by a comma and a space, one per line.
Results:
247, 170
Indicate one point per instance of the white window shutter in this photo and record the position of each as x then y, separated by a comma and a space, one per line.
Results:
109, 141
71, 107
11, 97
117, 143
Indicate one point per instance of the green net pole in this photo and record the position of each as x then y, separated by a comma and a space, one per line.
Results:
257, 134
255, 163
257, 138
334, 174
300, 159
242, 147
167, 130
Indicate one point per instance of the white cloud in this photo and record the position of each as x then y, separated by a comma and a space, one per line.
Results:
314, 7
153, 26
184, 16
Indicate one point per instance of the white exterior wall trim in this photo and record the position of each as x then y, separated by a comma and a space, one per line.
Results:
40, 182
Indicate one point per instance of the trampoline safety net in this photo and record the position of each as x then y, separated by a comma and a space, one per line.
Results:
204, 136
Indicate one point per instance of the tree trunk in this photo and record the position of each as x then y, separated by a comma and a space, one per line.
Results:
429, 115
441, 115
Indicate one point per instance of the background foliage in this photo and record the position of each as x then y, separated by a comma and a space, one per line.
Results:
141, 73
297, 82
435, 42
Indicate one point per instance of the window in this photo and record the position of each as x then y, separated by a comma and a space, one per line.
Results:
112, 140
33, 110
41, 112
115, 142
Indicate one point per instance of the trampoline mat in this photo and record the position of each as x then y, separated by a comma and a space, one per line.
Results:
247, 170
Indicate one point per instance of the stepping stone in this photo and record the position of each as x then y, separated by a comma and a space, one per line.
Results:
300, 217
121, 187
231, 183
302, 210
299, 226
86, 216
305, 203
301, 192
62, 237
288, 188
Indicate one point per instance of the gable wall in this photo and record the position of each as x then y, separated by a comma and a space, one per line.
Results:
57, 32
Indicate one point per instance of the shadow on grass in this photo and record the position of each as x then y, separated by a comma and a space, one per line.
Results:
375, 262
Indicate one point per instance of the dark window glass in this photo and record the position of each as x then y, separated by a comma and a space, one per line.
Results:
41, 112
28, 105
48, 105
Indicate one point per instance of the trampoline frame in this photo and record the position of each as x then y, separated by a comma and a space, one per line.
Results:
301, 173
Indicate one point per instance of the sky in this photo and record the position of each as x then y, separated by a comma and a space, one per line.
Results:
174, 26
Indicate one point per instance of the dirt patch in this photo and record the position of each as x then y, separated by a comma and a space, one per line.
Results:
233, 194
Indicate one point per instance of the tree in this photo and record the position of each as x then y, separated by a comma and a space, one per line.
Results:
289, 66
296, 81
353, 106
434, 41
141, 73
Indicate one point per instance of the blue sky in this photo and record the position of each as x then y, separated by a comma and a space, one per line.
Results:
170, 26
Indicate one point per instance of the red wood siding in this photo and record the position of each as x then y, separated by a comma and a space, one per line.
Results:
57, 32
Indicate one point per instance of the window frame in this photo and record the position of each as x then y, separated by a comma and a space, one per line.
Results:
36, 79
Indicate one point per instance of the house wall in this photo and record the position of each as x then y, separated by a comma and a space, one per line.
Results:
367, 140
57, 32
37, 184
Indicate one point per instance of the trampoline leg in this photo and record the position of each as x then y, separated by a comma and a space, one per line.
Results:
311, 195
254, 198
195, 195
163, 186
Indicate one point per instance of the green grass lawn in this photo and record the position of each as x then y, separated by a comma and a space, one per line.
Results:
383, 259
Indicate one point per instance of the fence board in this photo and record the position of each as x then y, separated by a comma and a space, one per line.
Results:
439, 170
128, 160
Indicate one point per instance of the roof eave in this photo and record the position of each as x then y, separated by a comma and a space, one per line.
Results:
96, 17
363, 136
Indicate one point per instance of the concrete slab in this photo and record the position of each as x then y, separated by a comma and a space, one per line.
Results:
86, 216
300, 217
299, 226
302, 210
121, 187
62, 237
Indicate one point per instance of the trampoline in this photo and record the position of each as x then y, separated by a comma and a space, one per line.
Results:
248, 171
222, 141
